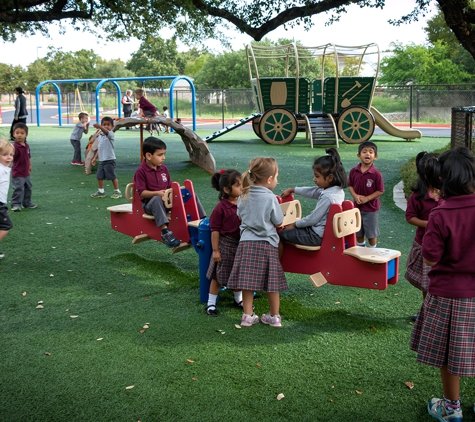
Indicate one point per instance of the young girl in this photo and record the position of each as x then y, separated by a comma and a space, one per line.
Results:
330, 178
6, 158
256, 265
443, 335
424, 198
224, 225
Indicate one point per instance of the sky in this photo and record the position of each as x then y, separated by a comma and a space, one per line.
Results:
359, 26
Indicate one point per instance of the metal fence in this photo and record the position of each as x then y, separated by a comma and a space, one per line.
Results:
408, 103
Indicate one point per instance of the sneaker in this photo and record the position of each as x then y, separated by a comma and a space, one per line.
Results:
248, 320
16, 208
116, 195
32, 206
74, 163
437, 410
98, 195
272, 320
211, 310
414, 317
170, 240
80, 163
2, 255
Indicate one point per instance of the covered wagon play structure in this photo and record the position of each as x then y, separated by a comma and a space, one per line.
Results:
326, 91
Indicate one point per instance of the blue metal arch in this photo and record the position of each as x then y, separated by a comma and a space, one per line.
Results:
101, 82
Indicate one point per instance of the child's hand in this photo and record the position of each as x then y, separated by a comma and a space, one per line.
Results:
97, 125
93, 161
287, 192
217, 256
160, 193
290, 226
361, 200
29, 168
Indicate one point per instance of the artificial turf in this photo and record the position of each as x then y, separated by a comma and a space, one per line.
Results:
341, 355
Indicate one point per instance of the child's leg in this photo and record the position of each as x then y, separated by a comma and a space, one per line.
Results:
18, 184
156, 207
247, 299
27, 193
451, 384
100, 183
214, 287
115, 182
3, 233
274, 302
372, 242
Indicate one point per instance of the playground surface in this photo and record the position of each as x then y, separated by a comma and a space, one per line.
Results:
86, 355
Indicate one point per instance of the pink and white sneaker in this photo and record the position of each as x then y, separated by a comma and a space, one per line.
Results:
248, 320
272, 320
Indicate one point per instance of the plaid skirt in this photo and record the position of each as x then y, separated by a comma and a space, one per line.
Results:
444, 334
220, 271
416, 269
257, 267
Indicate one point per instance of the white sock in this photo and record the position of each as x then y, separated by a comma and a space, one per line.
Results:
101, 190
369, 246
361, 244
117, 190
238, 296
212, 300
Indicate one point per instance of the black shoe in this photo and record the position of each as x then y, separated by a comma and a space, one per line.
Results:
238, 304
211, 310
414, 317
2, 255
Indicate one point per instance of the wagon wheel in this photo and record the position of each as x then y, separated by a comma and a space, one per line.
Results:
255, 126
278, 126
355, 125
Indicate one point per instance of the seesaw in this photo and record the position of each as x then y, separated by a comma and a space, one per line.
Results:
337, 261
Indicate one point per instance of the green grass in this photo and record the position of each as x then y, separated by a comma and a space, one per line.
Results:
335, 341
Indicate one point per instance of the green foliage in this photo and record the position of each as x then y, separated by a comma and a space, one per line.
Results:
11, 77
420, 64
389, 105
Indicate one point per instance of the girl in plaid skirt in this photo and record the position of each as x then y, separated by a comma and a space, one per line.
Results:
224, 226
256, 265
444, 333
424, 198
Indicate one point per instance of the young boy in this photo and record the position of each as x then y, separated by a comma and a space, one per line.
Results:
21, 170
146, 108
6, 157
151, 179
81, 127
366, 186
106, 154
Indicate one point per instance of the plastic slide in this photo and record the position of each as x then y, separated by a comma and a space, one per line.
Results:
390, 129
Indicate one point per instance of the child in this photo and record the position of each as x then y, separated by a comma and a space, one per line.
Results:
21, 170
424, 198
107, 163
256, 265
165, 114
330, 178
151, 180
146, 108
366, 186
6, 157
443, 333
81, 127
224, 226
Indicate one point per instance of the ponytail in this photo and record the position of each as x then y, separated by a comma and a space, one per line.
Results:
330, 164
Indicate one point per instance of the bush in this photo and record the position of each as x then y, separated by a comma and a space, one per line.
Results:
390, 105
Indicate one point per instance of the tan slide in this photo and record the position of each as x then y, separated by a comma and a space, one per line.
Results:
390, 129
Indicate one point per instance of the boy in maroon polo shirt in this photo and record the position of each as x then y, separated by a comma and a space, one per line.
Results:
21, 170
366, 186
151, 180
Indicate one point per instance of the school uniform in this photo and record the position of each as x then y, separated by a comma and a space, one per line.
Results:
417, 271
365, 184
444, 333
21, 182
256, 265
224, 220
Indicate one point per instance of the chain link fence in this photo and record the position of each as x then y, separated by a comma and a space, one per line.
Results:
408, 103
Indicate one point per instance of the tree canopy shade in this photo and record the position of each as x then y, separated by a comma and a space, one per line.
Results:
197, 19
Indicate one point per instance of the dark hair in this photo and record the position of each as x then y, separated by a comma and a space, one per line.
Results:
19, 89
223, 180
107, 119
331, 164
165, 108
83, 114
428, 170
151, 144
367, 144
457, 171
20, 126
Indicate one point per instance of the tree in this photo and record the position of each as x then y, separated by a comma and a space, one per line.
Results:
11, 77
418, 64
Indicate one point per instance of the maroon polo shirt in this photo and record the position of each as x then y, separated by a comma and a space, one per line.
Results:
421, 209
146, 105
224, 219
365, 184
448, 240
148, 178
21, 160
